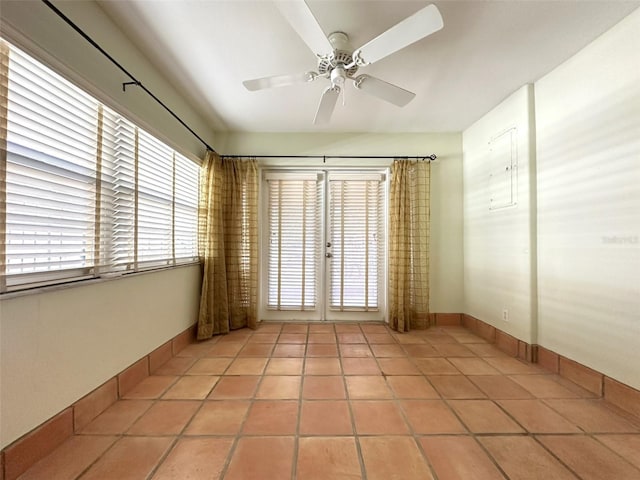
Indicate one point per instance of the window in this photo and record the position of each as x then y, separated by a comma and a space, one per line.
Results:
86, 192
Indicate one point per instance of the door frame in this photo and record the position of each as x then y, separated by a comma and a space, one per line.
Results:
320, 314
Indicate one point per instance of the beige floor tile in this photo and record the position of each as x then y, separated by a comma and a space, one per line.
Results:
627, 446
438, 338
118, 418
522, 458
151, 387
298, 338
393, 458
260, 337
284, 366
351, 338
514, 366
588, 458
453, 350
272, 417
325, 417
473, 366
485, 350
398, 366
375, 417
536, 417
436, 366
347, 328
455, 387
295, 328
355, 350
318, 328
269, 327
165, 418
262, 458
484, 416
322, 350
277, 387
459, 458
69, 460
543, 386
256, 350
289, 350
421, 350
500, 387
191, 388
225, 349
209, 366
408, 338
131, 458
195, 459
360, 366
323, 458
379, 338
322, 366
411, 387
220, 417
247, 366
175, 366
592, 416
367, 387
329, 338
230, 387
376, 328
431, 417
323, 387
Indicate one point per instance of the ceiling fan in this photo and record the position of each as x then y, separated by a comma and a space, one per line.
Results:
339, 63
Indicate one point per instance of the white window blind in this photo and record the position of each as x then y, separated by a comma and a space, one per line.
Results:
185, 209
50, 175
294, 205
155, 201
83, 191
357, 240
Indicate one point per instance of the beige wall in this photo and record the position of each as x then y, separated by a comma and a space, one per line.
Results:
573, 276
57, 346
446, 187
588, 141
499, 271
32, 26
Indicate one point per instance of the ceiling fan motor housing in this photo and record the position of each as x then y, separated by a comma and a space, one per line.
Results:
341, 56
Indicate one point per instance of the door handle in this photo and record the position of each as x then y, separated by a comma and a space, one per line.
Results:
328, 255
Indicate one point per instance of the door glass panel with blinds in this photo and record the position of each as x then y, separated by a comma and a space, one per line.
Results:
324, 244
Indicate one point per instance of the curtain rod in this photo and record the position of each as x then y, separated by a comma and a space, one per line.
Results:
134, 80
430, 158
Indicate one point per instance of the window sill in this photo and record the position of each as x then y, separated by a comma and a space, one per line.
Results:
87, 281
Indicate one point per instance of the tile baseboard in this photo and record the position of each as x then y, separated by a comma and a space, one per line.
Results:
26, 451
616, 393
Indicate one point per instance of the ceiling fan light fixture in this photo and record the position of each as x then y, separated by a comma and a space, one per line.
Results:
338, 75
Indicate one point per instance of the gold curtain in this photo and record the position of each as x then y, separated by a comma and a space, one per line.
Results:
228, 245
409, 245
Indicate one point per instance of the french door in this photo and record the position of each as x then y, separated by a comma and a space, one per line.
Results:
323, 245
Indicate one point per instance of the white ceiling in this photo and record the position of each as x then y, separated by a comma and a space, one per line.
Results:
486, 50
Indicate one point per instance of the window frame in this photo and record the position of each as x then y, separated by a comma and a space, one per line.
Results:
98, 268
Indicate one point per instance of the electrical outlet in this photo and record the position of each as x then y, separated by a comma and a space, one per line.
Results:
505, 315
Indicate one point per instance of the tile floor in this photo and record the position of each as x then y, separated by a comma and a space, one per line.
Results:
350, 401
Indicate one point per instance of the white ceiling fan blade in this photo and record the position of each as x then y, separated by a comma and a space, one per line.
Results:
305, 24
278, 81
384, 90
326, 106
419, 25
